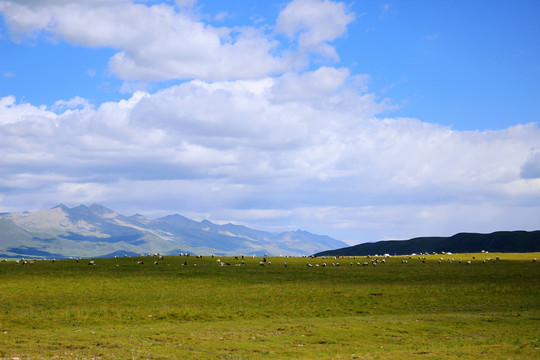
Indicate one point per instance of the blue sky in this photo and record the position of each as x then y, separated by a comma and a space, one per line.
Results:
360, 120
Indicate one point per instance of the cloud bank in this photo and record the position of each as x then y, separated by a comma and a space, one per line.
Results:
257, 136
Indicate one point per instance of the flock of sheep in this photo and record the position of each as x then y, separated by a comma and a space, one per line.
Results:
368, 260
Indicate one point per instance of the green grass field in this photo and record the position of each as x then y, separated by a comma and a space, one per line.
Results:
120, 310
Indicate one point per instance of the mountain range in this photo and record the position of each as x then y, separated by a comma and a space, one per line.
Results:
500, 241
96, 231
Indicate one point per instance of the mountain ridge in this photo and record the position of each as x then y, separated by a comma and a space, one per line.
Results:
95, 230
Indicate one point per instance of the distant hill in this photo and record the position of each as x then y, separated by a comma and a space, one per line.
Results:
96, 231
501, 241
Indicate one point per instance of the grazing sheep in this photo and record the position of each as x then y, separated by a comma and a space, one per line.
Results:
140, 262
285, 264
309, 265
261, 263
155, 262
468, 262
91, 262
534, 260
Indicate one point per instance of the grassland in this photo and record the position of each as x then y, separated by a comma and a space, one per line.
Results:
420, 309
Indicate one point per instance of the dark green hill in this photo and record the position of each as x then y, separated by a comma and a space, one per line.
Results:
501, 241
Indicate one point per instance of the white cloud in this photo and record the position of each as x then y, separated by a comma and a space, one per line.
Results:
161, 42
274, 158
155, 42
314, 23
310, 85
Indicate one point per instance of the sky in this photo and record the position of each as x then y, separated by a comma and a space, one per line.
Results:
361, 120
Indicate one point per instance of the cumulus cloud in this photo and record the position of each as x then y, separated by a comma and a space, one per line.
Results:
314, 24
155, 42
245, 149
161, 42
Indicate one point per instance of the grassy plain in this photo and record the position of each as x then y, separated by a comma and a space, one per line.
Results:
420, 310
